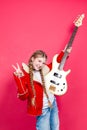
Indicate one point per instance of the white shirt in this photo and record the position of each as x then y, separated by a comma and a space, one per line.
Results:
37, 77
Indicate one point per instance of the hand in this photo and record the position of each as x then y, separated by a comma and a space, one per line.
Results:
69, 49
18, 71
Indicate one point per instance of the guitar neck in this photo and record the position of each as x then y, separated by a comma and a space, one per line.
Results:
72, 37
62, 63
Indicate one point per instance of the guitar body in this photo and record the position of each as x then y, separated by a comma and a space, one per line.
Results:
55, 80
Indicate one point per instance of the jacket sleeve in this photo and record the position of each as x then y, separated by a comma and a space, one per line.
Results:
59, 58
23, 88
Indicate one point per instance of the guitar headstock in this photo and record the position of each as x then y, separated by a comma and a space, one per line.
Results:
78, 20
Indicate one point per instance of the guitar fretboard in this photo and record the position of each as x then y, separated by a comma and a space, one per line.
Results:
62, 63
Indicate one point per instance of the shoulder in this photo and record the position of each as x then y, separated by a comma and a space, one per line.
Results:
45, 69
25, 67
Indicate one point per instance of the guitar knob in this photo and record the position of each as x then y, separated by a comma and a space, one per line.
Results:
57, 83
61, 89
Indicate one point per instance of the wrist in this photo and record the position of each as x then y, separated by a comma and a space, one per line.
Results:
19, 74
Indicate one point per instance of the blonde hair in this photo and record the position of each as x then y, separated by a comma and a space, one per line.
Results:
38, 53
35, 55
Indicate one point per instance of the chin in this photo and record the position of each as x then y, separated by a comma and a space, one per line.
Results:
37, 69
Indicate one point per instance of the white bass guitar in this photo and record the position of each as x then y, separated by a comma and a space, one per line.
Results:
55, 80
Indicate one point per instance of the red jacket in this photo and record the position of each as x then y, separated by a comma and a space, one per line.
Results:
23, 85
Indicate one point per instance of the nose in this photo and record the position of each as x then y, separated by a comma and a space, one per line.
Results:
40, 65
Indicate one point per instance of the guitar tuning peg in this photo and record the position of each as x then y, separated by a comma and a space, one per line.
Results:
78, 20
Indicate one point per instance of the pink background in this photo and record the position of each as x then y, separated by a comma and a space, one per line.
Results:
42, 24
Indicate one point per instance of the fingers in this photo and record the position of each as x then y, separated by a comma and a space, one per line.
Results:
16, 68
18, 72
69, 49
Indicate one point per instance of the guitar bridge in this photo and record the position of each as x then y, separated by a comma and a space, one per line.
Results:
52, 88
57, 75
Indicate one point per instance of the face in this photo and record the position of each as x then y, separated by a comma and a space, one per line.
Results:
38, 62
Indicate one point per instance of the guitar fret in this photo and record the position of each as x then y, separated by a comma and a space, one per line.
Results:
62, 63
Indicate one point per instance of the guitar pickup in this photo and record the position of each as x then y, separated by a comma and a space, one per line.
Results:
57, 75
52, 81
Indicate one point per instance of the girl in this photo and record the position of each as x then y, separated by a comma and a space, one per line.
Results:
41, 103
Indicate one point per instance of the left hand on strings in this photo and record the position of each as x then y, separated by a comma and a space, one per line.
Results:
69, 49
